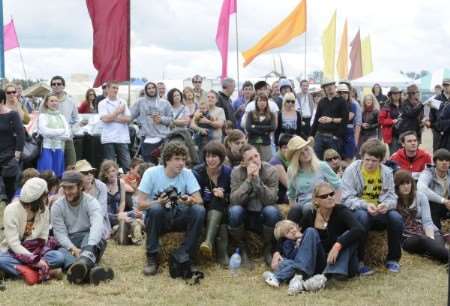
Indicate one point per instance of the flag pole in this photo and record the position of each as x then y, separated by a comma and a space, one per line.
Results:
237, 47
306, 45
20, 54
2, 45
129, 52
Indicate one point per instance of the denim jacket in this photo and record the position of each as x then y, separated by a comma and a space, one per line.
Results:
429, 184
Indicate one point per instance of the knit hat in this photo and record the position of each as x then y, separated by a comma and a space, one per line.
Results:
71, 177
284, 82
33, 189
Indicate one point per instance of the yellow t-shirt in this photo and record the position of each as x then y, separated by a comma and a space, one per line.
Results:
372, 185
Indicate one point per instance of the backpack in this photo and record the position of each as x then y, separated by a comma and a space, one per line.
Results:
180, 265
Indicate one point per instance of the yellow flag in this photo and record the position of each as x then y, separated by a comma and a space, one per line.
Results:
342, 60
292, 26
366, 53
329, 48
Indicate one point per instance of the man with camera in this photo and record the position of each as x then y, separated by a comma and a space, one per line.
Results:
169, 194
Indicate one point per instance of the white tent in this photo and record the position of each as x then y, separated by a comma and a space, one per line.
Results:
385, 78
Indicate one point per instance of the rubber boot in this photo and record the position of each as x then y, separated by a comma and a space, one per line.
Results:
268, 240
100, 274
79, 270
238, 235
151, 268
222, 246
212, 227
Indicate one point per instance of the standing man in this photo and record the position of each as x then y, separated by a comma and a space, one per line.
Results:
169, 193
115, 137
241, 102
161, 90
306, 106
330, 121
68, 108
228, 86
411, 111
199, 93
77, 222
439, 119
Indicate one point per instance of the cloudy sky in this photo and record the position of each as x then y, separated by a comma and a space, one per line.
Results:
174, 39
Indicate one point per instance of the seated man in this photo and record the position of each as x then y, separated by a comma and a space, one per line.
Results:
410, 157
169, 194
281, 164
77, 222
368, 189
435, 183
254, 193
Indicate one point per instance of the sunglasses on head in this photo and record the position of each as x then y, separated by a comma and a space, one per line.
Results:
325, 196
57, 84
331, 158
11, 92
290, 101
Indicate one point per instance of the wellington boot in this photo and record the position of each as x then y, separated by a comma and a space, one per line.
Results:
212, 227
222, 246
268, 244
238, 235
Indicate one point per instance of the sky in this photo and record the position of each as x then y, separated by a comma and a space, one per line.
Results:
175, 39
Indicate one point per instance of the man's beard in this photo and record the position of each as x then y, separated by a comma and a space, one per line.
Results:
76, 199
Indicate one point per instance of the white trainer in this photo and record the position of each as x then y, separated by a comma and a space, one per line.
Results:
315, 283
295, 285
270, 279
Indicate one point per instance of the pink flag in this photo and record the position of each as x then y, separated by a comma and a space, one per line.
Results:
228, 8
10, 36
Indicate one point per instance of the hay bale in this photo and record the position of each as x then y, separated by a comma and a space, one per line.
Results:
376, 248
445, 224
169, 242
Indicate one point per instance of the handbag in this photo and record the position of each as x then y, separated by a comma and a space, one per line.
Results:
32, 148
180, 265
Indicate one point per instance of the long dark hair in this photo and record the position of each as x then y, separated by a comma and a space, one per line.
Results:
38, 205
402, 177
265, 112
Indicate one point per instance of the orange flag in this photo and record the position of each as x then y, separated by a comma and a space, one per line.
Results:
342, 60
289, 28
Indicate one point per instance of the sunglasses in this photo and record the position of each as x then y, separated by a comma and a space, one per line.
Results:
325, 196
331, 158
87, 172
197, 82
413, 92
11, 92
56, 84
290, 101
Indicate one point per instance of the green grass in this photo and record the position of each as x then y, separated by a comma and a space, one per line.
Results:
420, 282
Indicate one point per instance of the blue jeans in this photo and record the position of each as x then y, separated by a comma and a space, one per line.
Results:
160, 220
147, 149
268, 216
119, 151
392, 221
8, 263
322, 142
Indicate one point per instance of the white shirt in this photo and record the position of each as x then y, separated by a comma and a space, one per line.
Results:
251, 106
113, 132
304, 105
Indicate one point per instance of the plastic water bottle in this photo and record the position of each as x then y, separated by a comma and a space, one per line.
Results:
235, 263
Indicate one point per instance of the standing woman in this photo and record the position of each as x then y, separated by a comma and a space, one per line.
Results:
180, 112
349, 140
13, 103
389, 117
369, 127
289, 119
189, 102
88, 106
54, 129
12, 139
378, 93
420, 235
259, 125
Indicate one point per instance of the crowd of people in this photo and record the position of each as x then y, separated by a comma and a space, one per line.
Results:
217, 168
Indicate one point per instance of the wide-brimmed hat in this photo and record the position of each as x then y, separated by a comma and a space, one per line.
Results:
296, 143
327, 83
394, 90
32, 190
342, 88
83, 166
446, 81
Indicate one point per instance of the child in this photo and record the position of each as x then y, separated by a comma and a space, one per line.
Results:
53, 127
132, 178
290, 238
204, 131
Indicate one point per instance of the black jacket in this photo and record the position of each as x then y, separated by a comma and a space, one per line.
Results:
412, 116
372, 119
259, 131
226, 103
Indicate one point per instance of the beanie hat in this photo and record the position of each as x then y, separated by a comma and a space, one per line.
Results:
33, 189
71, 177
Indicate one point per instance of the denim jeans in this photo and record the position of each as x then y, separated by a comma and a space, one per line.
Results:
119, 151
392, 221
424, 245
161, 220
268, 216
322, 142
8, 263
80, 240
147, 149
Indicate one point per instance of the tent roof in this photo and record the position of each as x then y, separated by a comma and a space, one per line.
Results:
37, 90
385, 78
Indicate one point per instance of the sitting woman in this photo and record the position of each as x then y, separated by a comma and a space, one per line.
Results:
420, 235
334, 160
305, 171
55, 131
289, 119
328, 247
214, 180
26, 250
233, 143
259, 125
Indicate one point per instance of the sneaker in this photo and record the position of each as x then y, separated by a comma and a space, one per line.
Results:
30, 276
100, 274
151, 268
392, 266
270, 279
365, 270
295, 285
315, 283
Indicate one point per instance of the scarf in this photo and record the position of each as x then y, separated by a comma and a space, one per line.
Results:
55, 120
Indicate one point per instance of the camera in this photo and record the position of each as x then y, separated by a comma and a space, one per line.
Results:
172, 193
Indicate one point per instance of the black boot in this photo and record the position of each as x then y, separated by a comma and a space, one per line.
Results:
222, 246
79, 270
151, 268
238, 235
100, 274
268, 243
212, 227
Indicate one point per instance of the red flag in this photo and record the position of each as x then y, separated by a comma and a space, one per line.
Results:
10, 36
228, 8
356, 70
111, 48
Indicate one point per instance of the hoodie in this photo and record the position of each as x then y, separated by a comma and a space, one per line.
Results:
145, 107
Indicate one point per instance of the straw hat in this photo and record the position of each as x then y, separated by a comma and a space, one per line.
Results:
394, 90
342, 88
327, 83
83, 166
296, 143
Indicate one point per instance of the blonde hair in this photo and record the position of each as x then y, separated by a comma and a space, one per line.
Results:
375, 103
295, 165
319, 187
287, 96
282, 228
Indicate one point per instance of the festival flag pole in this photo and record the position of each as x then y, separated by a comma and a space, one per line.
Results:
2, 46
237, 47
306, 48
129, 52
20, 54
